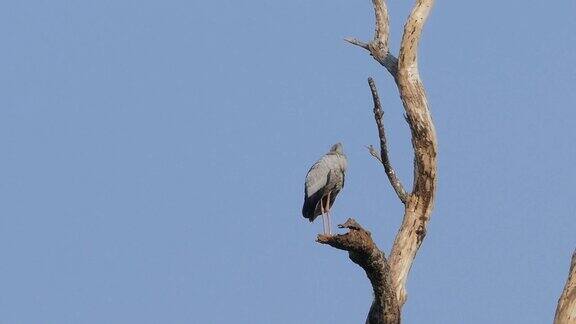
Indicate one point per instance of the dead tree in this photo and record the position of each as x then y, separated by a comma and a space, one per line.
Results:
388, 275
566, 309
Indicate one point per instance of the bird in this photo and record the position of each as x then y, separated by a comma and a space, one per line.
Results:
324, 181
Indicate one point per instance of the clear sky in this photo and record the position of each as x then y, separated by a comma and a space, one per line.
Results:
154, 154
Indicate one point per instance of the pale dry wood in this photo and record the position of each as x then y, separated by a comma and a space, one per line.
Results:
566, 309
378, 47
420, 202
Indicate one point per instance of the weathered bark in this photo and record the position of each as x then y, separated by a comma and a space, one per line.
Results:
378, 47
384, 157
419, 205
364, 252
566, 309
388, 277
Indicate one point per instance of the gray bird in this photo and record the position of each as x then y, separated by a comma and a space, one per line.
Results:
324, 181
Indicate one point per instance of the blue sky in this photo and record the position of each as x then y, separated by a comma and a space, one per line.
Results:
153, 158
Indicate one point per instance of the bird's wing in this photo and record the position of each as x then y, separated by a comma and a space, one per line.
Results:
317, 177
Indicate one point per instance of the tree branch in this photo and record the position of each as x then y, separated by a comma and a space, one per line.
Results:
364, 252
384, 157
378, 47
566, 309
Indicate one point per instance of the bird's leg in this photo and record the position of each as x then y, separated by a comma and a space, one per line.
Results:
322, 211
328, 213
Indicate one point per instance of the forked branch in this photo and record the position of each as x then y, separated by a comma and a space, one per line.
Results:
378, 47
419, 203
388, 277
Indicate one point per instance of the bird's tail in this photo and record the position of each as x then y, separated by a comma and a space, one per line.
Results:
309, 208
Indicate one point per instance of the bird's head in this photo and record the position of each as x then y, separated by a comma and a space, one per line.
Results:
337, 148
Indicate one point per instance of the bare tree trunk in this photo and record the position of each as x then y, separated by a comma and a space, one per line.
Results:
388, 277
566, 309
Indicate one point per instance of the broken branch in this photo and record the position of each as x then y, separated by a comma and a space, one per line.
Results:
363, 251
